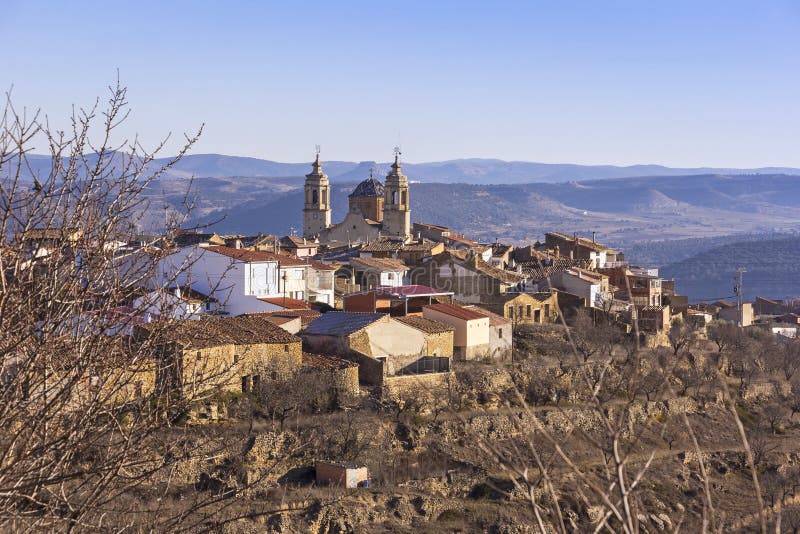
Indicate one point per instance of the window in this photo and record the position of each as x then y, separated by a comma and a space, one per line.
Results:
510, 312
245, 384
256, 381
286, 348
528, 311
500, 333
314, 197
403, 198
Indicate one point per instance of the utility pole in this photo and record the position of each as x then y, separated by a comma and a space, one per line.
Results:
739, 294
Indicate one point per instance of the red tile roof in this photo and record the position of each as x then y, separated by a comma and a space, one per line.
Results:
381, 264
494, 318
306, 316
285, 260
287, 303
455, 311
422, 324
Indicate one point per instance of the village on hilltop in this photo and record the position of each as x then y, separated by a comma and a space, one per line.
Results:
373, 304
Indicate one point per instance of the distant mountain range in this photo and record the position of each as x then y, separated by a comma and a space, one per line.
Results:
468, 171
773, 270
621, 211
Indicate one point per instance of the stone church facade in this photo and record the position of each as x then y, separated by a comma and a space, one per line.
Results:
375, 209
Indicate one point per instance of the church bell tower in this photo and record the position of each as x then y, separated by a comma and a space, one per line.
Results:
317, 208
396, 207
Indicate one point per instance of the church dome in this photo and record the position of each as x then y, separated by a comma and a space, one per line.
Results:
368, 188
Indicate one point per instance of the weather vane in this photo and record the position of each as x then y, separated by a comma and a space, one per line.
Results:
317, 149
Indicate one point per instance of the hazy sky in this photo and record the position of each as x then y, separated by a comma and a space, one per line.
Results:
682, 83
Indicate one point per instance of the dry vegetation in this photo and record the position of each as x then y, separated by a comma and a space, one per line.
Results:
585, 430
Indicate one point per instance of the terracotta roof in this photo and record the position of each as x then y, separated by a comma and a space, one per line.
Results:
279, 319
292, 241
324, 361
248, 255
368, 188
204, 333
494, 319
539, 270
287, 303
306, 316
582, 241
461, 239
381, 264
342, 323
497, 273
383, 244
425, 246
498, 249
455, 311
425, 325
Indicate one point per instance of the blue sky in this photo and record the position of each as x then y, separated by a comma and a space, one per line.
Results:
682, 83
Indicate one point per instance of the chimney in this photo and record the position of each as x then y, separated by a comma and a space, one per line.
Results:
304, 240
593, 235
178, 291
237, 243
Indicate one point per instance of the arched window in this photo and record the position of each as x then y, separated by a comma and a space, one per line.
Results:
394, 197
314, 196
404, 198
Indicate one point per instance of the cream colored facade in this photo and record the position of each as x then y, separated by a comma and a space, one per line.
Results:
471, 337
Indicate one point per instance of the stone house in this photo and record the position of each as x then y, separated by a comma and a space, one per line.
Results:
526, 308
471, 337
438, 336
342, 374
580, 248
224, 354
467, 275
414, 253
383, 247
382, 346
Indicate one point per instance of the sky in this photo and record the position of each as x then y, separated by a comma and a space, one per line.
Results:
680, 83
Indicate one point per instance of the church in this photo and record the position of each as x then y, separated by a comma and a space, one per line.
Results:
375, 209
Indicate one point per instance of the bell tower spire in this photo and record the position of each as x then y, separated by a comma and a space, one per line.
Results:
317, 207
396, 206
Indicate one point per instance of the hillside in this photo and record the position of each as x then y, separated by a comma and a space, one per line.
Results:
468, 171
773, 270
621, 211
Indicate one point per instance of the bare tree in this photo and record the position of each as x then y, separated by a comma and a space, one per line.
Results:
85, 416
